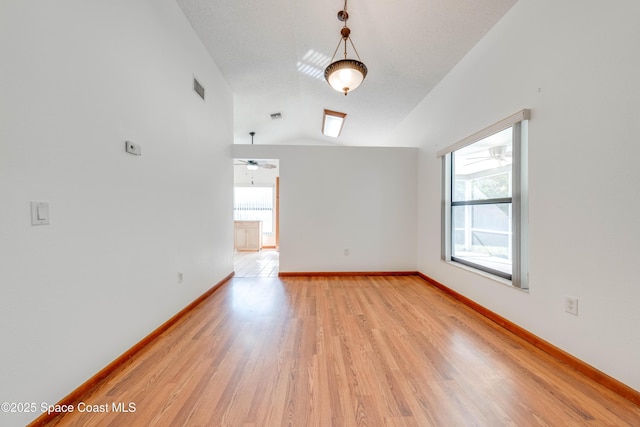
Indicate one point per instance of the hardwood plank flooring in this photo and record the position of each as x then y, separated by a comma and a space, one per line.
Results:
345, 351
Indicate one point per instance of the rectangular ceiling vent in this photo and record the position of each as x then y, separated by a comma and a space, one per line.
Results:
276, 116
198, 88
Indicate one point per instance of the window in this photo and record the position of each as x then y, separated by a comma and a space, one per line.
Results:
256, 204
484, 200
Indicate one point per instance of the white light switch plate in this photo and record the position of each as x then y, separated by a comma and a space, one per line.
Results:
39, 213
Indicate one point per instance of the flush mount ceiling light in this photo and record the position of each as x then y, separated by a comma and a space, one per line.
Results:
332, 123
345, 74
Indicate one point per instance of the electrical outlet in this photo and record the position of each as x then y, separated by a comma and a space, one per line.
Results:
133, 148
571, 305
180, 277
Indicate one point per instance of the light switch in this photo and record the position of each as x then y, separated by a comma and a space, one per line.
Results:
39, 213
43, 212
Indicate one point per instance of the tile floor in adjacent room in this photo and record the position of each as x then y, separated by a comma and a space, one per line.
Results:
264, 263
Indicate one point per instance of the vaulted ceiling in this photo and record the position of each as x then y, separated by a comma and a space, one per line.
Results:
273, 54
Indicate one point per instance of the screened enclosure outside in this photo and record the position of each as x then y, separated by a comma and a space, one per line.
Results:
481, 204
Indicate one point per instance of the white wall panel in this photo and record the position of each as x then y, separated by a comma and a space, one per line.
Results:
361, 199
78, 79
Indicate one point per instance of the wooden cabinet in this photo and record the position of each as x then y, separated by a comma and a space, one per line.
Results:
248, 235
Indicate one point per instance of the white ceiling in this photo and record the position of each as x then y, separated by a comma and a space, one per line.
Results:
269, 52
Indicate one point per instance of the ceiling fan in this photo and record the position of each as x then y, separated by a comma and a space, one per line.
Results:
254, 165
498, 152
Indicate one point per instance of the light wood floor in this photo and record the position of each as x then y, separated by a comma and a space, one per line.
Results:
354, 351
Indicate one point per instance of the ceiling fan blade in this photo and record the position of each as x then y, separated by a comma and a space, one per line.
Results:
268, 166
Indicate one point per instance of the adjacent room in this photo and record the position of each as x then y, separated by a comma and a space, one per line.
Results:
255, 215
319, 213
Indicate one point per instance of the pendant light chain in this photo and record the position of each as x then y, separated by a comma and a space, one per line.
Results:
345, 74
346, 19
345, 45
336, 51
343, 39
354, 49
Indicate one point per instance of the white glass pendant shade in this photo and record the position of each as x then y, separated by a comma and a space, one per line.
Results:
345, 75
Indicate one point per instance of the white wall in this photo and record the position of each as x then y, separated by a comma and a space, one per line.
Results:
575, 64
336, 198
77, 80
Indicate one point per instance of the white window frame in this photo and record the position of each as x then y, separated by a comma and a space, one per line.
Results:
519, 198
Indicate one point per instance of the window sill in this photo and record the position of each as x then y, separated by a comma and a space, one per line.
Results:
486, 275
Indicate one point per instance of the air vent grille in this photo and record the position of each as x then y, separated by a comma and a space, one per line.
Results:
198, 88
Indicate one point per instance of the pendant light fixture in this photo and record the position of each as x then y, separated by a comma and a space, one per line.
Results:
345, 74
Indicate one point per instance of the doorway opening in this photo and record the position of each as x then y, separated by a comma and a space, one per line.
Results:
256, 217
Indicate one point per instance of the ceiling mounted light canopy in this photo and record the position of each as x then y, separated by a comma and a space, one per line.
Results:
344, 75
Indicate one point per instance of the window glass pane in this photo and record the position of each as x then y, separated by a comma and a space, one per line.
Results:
483, 170
482, 235
255, 204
